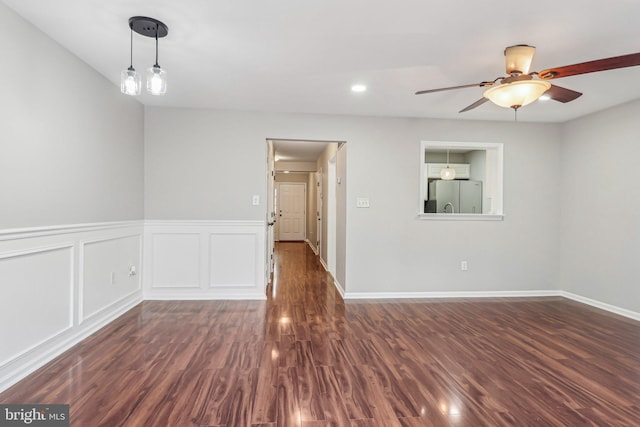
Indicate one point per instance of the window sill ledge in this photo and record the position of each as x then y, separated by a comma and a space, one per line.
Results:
459, 217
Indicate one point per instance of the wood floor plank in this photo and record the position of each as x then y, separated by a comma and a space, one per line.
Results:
306, 358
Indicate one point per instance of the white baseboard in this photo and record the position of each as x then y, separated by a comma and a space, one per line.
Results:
313, 248
601, 305
29, 362
339, 287
180, 296
455, 294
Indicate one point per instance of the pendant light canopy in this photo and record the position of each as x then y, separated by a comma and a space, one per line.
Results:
156, 76
448, 173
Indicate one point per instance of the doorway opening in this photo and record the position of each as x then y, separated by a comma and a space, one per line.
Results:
306, 200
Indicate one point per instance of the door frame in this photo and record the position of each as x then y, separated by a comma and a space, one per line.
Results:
331, 215
319, 207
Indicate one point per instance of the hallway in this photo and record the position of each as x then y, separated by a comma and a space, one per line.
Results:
305, 358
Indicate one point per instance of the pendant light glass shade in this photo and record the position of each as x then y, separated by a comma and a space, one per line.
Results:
447, 173
156, 80
517, 94
130, 82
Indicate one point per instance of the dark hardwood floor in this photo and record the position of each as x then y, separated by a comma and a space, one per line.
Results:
306, 358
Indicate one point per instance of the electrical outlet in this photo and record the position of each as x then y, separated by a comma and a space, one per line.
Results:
132, 271
464, 266
362, 202
256, 200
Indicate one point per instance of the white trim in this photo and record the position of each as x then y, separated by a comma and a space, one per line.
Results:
602, 305
203, 223
454, 294
22, 233
459, 217
324, 265
315, 251
339, 287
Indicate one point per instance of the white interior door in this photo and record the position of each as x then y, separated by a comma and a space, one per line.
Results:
292, 211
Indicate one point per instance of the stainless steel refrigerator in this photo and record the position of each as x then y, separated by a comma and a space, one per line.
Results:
457, 196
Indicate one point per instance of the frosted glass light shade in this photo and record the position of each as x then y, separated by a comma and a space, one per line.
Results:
516, 94
518, 58
130, 82
447, 173
156, 81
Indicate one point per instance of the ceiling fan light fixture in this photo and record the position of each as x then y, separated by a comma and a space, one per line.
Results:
518, 58
516, 94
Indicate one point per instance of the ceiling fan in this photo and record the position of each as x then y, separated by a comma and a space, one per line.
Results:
522, 87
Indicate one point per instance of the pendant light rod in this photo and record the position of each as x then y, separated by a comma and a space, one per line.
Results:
156, 47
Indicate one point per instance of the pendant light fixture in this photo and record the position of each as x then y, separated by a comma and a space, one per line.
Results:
156, 76
448, 173
129, 78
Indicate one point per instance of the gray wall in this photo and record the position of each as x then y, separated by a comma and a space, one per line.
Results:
71, 147
600, 207
189, 155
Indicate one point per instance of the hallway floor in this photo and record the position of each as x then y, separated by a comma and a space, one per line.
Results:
306, 358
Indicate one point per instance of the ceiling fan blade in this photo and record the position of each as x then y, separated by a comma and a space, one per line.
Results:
613, 63
481, 84
562, 94
478, 103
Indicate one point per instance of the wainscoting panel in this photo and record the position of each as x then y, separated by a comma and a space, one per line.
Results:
233, 260
204, 260
60, 284
110, 272
176, 260
36, 303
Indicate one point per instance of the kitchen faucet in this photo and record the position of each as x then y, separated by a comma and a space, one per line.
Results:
453, 210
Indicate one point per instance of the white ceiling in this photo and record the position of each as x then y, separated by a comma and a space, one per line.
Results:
303, 56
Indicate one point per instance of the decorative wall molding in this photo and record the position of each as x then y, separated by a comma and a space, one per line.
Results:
63, 269
31, 232
188, 260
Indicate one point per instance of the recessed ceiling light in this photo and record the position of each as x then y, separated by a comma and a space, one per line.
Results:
358, 88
